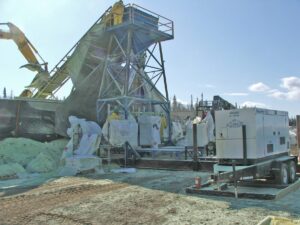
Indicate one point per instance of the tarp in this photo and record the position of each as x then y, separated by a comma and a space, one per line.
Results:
292, 137
89, 141
121, 131
149, 130
81, 158
205, 131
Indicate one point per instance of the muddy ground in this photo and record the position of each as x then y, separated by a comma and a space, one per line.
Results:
144, 197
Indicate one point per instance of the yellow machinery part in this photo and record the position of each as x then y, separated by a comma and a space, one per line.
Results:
26, 93
118, 11
21, 41
28, 54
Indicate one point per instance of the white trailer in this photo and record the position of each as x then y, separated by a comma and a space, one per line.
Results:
257, 140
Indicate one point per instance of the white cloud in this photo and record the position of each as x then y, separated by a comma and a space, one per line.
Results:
291, 83
236, 94
292, 89
259, 87
250, 104
209, 86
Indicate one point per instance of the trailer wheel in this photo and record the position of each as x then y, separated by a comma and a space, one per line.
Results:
282, 177
292, 171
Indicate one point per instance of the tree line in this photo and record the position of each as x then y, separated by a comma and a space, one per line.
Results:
4, 94
179, 106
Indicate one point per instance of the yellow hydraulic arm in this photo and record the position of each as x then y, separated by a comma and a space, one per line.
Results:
29, 52
24, 45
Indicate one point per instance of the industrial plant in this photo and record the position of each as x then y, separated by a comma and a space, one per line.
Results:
120, 149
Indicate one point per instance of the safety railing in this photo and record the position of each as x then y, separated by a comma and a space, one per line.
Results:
140, 16
164, 24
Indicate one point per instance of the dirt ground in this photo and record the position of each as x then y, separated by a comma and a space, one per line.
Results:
144, 197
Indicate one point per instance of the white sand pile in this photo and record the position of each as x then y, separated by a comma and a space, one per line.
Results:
20, 155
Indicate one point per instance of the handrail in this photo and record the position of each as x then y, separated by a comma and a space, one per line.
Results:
165, 23
149, 16
137, 6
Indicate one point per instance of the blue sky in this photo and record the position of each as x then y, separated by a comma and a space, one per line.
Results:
245, 51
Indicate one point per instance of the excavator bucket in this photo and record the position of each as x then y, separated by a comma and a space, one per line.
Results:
33, 67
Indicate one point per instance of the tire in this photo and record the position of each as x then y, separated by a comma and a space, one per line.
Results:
282, 177
292, 172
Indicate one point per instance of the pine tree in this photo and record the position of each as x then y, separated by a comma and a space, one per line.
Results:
174, 103
292, 121
192, 103
4, 92
197, 103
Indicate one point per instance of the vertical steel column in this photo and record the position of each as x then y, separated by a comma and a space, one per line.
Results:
126, 85
234, 179
298, 130
18, 119
169, 123
195, 148
163, 70
244, 144
166, 91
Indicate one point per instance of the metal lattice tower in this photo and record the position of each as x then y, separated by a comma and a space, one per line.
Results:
134, 64
114, 65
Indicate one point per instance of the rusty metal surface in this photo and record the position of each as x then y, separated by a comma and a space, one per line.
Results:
27, 118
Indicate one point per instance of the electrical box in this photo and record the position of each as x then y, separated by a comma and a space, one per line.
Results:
251, 133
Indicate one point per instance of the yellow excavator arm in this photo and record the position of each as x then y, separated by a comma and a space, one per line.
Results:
24, 45
29, 52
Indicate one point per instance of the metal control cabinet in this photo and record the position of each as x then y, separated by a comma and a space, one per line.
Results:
251, 134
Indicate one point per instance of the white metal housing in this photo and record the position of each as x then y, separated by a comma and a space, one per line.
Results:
267, 133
